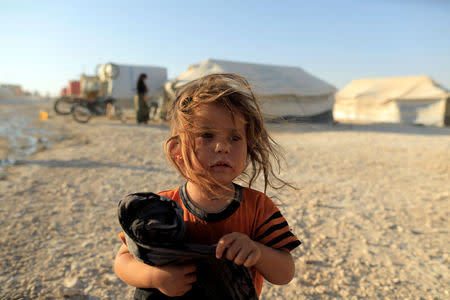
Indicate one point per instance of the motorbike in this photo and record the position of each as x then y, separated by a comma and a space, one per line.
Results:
83, 110
63, 105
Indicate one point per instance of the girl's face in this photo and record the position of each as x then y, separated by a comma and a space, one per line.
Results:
221, 144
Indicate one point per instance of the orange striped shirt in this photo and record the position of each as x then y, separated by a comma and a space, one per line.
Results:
252, 213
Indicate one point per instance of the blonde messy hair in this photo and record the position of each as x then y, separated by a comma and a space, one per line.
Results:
234, 92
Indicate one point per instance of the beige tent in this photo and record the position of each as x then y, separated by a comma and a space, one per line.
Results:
285, 92
415, 99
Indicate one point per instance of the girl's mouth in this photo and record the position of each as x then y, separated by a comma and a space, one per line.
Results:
222, 164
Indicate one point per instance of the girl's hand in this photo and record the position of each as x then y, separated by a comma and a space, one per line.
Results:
175, 279
239, 248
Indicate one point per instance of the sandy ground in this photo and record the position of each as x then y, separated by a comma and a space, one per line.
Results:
372, 209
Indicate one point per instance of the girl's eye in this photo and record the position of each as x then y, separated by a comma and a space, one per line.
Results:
206, 135
236, 138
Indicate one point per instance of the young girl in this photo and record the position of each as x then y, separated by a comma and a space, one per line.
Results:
218, 135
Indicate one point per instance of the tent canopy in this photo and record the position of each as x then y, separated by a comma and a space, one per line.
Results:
283, 91
413, 99
265, 79
382, 90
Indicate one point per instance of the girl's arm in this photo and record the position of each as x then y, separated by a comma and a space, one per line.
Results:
131, 271
277, 266
171, 280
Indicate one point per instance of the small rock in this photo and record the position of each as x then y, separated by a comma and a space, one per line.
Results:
338, 261
72, 282
391, 226
320, 289
89, 288
396, 280
72, 287
109, 278
87, 244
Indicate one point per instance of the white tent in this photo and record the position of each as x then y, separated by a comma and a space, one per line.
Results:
414, 99
287, 92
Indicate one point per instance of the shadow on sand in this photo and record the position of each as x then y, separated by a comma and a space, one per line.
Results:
82, 163
135, 125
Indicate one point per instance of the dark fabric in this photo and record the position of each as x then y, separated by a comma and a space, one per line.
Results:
154, 231
141, 87
141, 106
142, 109
216, 279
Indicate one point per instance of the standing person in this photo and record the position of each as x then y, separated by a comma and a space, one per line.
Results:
140, 101
218, 135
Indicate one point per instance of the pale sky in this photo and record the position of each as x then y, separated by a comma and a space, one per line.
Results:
43, 44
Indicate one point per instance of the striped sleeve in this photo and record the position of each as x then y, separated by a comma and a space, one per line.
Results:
273, 230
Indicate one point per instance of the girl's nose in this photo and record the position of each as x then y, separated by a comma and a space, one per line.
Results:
222, 146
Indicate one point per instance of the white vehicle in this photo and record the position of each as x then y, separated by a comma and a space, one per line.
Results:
120, 81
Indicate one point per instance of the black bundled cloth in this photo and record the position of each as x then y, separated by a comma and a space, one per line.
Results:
155, 234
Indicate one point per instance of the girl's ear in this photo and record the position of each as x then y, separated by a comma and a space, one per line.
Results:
178, 157
175, 152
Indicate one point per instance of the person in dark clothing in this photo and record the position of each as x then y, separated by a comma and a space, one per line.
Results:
140, 101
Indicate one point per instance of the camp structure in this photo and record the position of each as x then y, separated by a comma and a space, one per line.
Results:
414, 99
119, 81
285, 92
6, 92
10, 91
